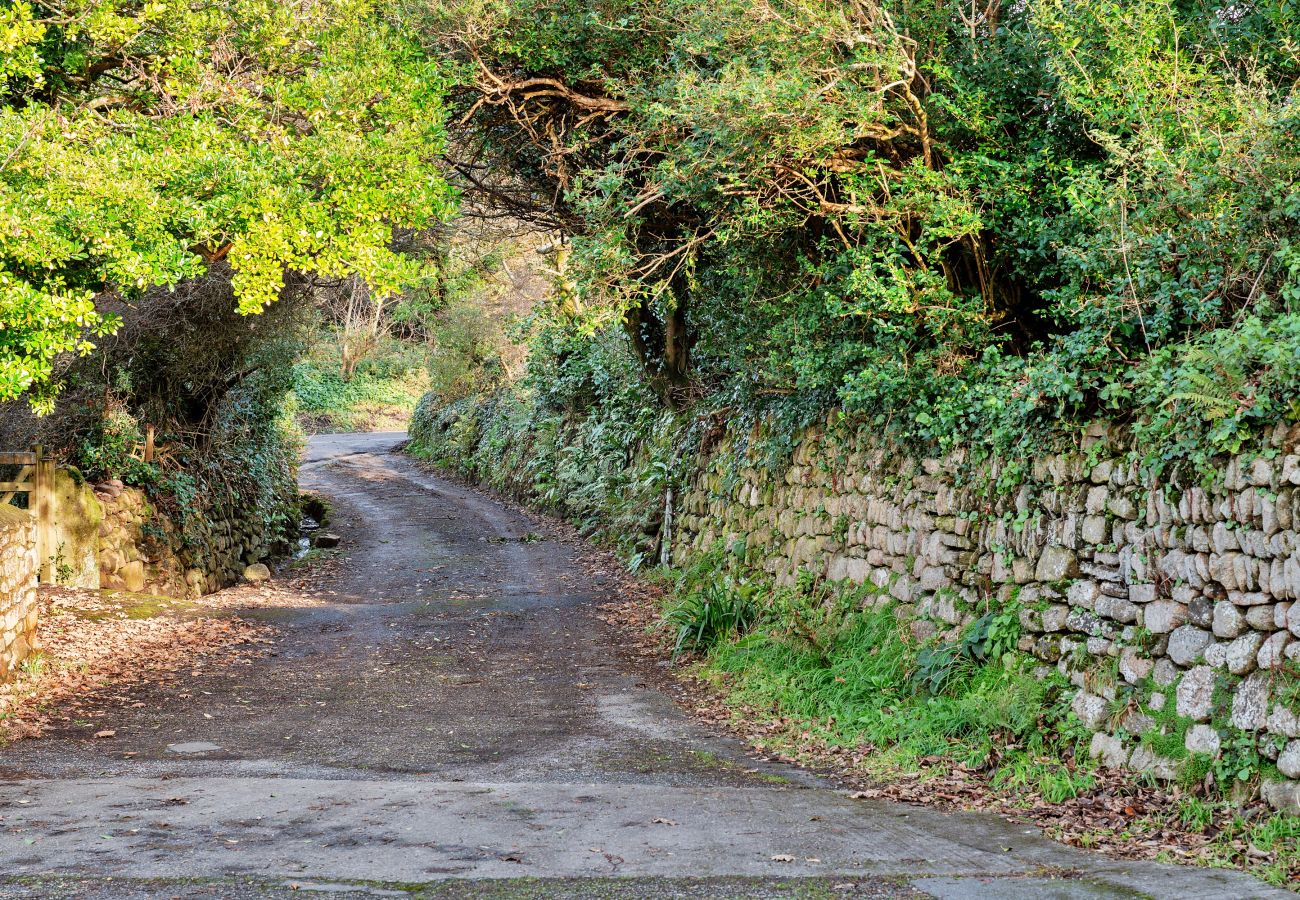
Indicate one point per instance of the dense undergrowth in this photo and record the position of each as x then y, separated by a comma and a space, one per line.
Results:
980, 225
836, 659
186, 401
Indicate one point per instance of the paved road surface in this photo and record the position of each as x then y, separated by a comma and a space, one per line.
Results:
449, 724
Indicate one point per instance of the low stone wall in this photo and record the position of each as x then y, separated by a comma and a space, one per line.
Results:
1172, 608
111, 536
142, 550
19, 568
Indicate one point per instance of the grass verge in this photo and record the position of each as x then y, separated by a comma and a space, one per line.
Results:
829, 676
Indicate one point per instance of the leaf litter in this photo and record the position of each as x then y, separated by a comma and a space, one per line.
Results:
99, 650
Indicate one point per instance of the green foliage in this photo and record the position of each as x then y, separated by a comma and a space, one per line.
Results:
965, 228
711, 613
109, 450
988, 639
1056, 781
380, 395
607, 472
142, 141
851, 674
466, 357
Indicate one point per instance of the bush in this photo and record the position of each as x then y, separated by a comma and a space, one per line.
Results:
854, 675
379, 396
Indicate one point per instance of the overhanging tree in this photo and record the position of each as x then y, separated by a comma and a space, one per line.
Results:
141, 141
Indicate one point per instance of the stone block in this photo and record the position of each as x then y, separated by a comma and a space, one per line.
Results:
1250, 702
132, 576
1109, 750
1283, 721
1186, 643
1089, 623
1056, 563
1117, 609
1288, 762
1195, 693
1054, 617
1260, 617
1200, 611
1141, 593
1083, 593
1163, 616
1149, 763
1229, 621
1283, 796
256, 573
1090, 709
1272, 653
933, 578
1165, 673
1121, 507
1094, 530
1202, 739
1240, 656
1133, 666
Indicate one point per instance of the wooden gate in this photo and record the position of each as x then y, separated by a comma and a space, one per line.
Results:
34, 480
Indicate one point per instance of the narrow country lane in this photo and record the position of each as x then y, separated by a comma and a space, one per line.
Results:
451, 722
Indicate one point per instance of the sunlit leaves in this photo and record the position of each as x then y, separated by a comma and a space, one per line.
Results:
272, 136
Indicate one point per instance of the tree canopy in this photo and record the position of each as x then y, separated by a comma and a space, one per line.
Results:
958, 217
141, 141
958, 220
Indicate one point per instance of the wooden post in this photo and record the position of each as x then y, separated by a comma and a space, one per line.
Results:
148, 444
41, 502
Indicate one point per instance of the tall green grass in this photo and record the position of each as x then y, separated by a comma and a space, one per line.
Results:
837, 664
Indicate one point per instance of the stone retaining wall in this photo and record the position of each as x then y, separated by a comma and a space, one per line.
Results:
1173, 608
111, 536
19, 568
141, 550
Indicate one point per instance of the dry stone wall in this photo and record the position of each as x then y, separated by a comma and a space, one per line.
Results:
141, 550
111, 536
1172, 608
19, 569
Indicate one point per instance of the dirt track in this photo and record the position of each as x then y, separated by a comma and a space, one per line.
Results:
449, 720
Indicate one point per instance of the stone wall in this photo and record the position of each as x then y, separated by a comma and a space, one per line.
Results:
110, 535
142, 550
73, 540
1170, 607
18, 573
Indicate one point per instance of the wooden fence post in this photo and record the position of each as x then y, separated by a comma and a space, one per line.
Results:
42, 506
